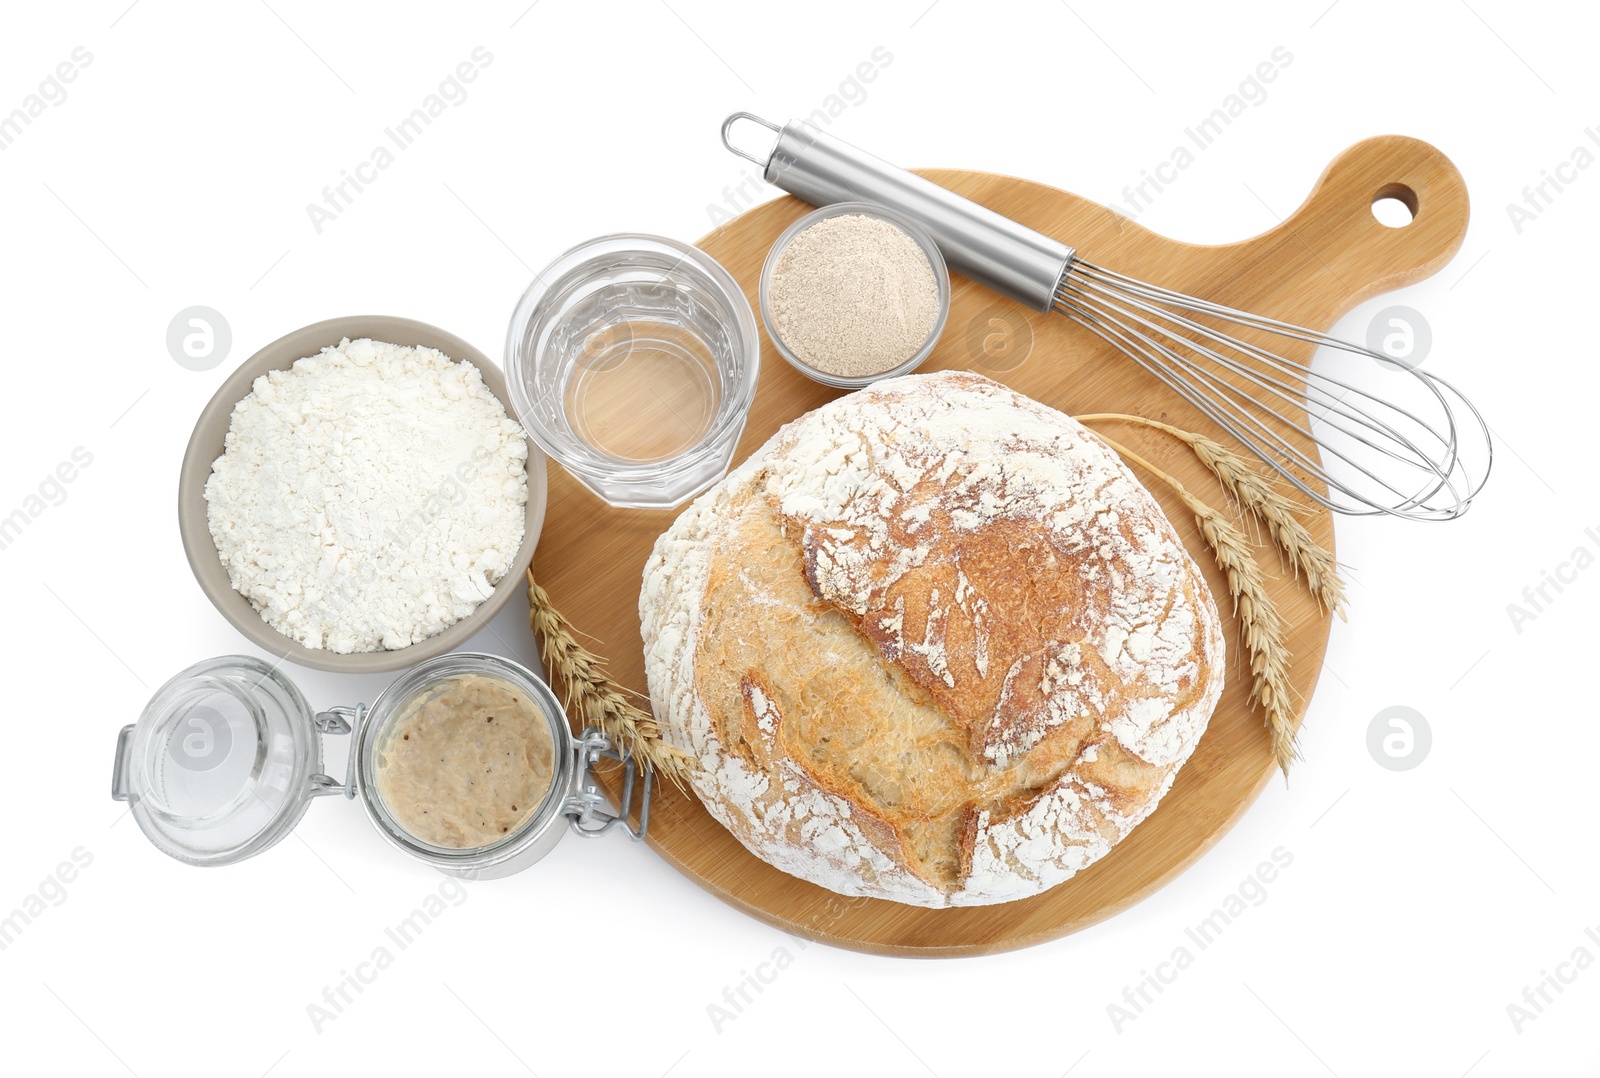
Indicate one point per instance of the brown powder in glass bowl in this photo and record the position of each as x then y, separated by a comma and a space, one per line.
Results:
853, 296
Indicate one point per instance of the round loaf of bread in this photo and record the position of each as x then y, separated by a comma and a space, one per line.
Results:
931, 643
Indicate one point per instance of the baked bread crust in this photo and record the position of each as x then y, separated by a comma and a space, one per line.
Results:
931, 643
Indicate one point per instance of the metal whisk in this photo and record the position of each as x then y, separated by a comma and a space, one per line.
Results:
1378, 456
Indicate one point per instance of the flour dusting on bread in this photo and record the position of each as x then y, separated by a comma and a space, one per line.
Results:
932, 643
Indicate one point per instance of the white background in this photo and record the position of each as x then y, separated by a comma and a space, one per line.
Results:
1419, 904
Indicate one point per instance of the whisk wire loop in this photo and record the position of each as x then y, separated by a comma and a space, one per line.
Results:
1377, 457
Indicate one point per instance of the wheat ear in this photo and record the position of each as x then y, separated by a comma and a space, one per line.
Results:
1256, 493
594, 699
1261, 626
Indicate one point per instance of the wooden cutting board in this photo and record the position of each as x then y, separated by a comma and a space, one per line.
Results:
1329, 255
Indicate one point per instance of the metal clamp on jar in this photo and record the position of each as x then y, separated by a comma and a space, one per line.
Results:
228, 755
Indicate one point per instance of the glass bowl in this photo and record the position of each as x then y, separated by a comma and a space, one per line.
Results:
924, 240
632, 360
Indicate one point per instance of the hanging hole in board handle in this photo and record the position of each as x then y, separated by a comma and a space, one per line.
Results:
753, 118
1394, 205
1338, 219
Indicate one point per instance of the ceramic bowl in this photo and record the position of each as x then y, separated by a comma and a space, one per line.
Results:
206, 445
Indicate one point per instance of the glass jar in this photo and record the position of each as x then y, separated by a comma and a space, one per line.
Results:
228, 755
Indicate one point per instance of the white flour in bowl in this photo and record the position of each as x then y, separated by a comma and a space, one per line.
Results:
369, 497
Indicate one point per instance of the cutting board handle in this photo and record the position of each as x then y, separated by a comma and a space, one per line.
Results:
1367, 256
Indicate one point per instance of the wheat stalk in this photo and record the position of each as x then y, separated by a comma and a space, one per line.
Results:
594, 699
1260, 624
1257, 494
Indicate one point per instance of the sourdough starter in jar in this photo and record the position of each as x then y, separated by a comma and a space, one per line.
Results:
466, 762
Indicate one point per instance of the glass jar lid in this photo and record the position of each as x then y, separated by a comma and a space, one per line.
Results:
222, 763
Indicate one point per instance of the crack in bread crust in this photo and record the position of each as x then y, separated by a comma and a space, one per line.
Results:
931, 643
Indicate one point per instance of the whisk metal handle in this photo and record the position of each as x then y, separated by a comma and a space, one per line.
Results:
993, 250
